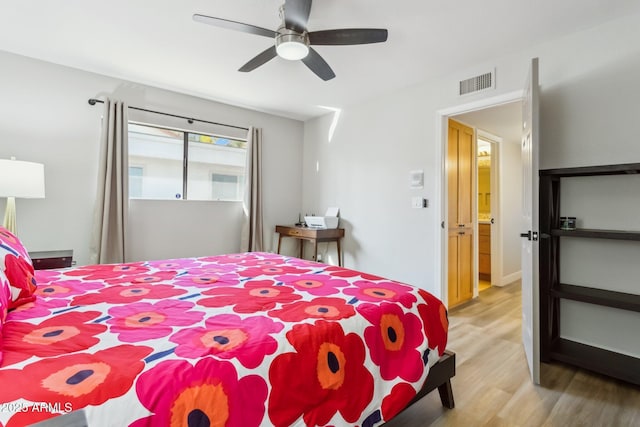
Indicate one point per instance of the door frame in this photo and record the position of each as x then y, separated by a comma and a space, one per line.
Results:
442, 117
496, 214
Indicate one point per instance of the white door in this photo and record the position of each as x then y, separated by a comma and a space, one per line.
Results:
530, 288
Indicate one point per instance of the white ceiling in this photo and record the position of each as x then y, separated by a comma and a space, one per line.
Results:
156, 42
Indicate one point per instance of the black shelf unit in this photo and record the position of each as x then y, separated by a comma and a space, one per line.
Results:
552, 346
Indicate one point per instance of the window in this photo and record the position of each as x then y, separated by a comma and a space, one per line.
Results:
135, 182
176, 164
226, 187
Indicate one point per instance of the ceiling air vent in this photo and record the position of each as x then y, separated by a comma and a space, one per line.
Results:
477, 83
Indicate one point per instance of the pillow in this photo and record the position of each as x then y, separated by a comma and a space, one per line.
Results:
5, 295
17, 268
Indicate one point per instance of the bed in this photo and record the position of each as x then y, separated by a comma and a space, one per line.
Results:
247, 339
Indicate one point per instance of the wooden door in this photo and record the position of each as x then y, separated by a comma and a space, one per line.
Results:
460, 157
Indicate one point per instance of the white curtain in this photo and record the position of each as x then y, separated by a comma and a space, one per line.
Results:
112, 200
251, 239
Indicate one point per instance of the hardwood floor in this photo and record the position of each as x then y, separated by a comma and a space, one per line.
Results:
492, 385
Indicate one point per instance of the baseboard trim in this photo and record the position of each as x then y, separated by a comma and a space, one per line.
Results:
510, 278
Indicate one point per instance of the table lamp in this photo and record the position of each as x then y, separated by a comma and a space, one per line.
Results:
19, 179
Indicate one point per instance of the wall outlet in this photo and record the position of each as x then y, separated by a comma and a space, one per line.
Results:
419, 202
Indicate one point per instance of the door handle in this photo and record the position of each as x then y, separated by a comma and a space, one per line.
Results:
530, 235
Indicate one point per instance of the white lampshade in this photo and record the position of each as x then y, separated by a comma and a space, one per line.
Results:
21, 179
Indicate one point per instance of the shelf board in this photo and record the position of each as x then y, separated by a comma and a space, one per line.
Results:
597, 234
619, 169
620, 300
621, 366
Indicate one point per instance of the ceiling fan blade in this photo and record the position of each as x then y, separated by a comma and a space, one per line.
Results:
259, 60
348, 36
233, 25
318, 65
296, 14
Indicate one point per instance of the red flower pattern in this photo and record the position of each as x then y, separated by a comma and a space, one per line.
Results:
209, 393
64, 333
435, 320
382, 291
393, 340
143, 321
147, 277
319, 382
315, 284
256, 295
329, 367
107, 271
318, 308
227, 336
21, 277
124, 294
80, 379
400, 396
271, 270
65, 288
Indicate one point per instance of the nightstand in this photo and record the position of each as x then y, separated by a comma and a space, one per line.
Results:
43, 260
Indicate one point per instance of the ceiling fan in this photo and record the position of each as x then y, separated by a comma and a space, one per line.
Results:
293, 41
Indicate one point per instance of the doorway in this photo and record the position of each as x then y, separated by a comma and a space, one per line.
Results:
498, 121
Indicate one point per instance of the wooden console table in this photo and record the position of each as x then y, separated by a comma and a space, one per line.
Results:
314, 235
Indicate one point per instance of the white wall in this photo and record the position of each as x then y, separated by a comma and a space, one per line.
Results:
589, 102
510, 209
45, 117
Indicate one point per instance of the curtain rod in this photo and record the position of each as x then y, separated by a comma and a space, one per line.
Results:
93, 101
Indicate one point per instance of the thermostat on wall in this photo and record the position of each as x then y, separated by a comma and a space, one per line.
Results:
416, 179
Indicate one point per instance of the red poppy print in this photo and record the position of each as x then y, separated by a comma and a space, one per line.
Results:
148, 277
230, 258
382, 291
304, 263
21, 278
46, 276
5, 297
256, 295
397, 400
315, 284
271, 270
78, 379
107, 271
345, 272
329, 366
144, 321
319, 308
209, 393
64, 333
174, 264
228, 336
38, 308
66, 288
393, 340
12, 243
118, 294
436, 322
206, 279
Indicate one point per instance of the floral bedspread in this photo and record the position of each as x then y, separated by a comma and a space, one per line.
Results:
251, 339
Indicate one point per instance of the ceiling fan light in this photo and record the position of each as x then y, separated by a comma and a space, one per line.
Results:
292, 50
